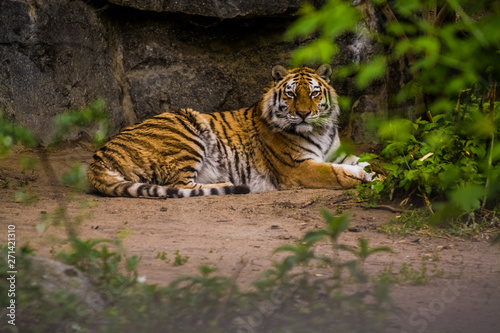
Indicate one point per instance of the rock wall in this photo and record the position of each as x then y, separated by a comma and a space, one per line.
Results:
54, 55
146, 57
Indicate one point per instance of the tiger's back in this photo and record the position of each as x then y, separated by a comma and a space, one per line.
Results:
280, 142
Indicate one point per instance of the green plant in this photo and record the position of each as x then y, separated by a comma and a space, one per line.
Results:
407, 274
415, 276
180, 260
449, 157
409, 222
293, 276
94, 257
49, 310
162, 256
446, 153
25, 197
443, 153
12, 134
496, 239
94, 115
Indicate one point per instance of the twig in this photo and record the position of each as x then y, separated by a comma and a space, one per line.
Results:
423, 158
432, 11
308, 204
389, 15
265, 203
429, 116
61, 202
427, 202
442, 15
387, 207
419, 95
235, 276
341, 200
490, 160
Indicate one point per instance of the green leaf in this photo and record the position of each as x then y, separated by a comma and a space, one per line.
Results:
76, 177
338, 17
95, 113
131, 263
430, 47
480, 151
407, 7
380, 249
496, 152
398, 130
207, 270
11, 134
352, 266
467, 197
370, 71
314, 236
306, 24
378, 186
335, 225
318, 51
286, 247
347, 248
390, 167
367, 157
345, 102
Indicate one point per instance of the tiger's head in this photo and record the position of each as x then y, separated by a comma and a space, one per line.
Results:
300, 99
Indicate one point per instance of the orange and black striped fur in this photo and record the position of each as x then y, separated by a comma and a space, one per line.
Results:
280, 142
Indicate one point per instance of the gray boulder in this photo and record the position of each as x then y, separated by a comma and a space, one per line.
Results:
218, 8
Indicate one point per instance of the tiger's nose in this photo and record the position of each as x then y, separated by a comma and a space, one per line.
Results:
303, 114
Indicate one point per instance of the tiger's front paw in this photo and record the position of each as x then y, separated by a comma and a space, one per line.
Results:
351, 175
369, 176
363, 175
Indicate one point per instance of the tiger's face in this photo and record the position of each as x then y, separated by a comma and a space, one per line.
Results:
301, 99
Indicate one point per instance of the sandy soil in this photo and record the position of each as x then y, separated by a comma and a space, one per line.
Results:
234, 231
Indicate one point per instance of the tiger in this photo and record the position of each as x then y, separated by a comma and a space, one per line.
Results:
281, 142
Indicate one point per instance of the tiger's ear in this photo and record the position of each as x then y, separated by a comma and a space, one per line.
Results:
324, 71
278, 72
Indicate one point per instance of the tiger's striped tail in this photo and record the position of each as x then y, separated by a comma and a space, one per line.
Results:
158, 191
113, 184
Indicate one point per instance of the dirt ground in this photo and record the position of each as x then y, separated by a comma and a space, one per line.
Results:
239, 234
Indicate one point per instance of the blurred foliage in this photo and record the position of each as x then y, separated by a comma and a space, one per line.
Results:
95, 114
94, 117
12, 134
305, 291
446, 46
102, 264
447, 152
76, 177
335, 18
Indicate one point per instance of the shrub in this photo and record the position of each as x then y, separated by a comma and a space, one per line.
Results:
446, 150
